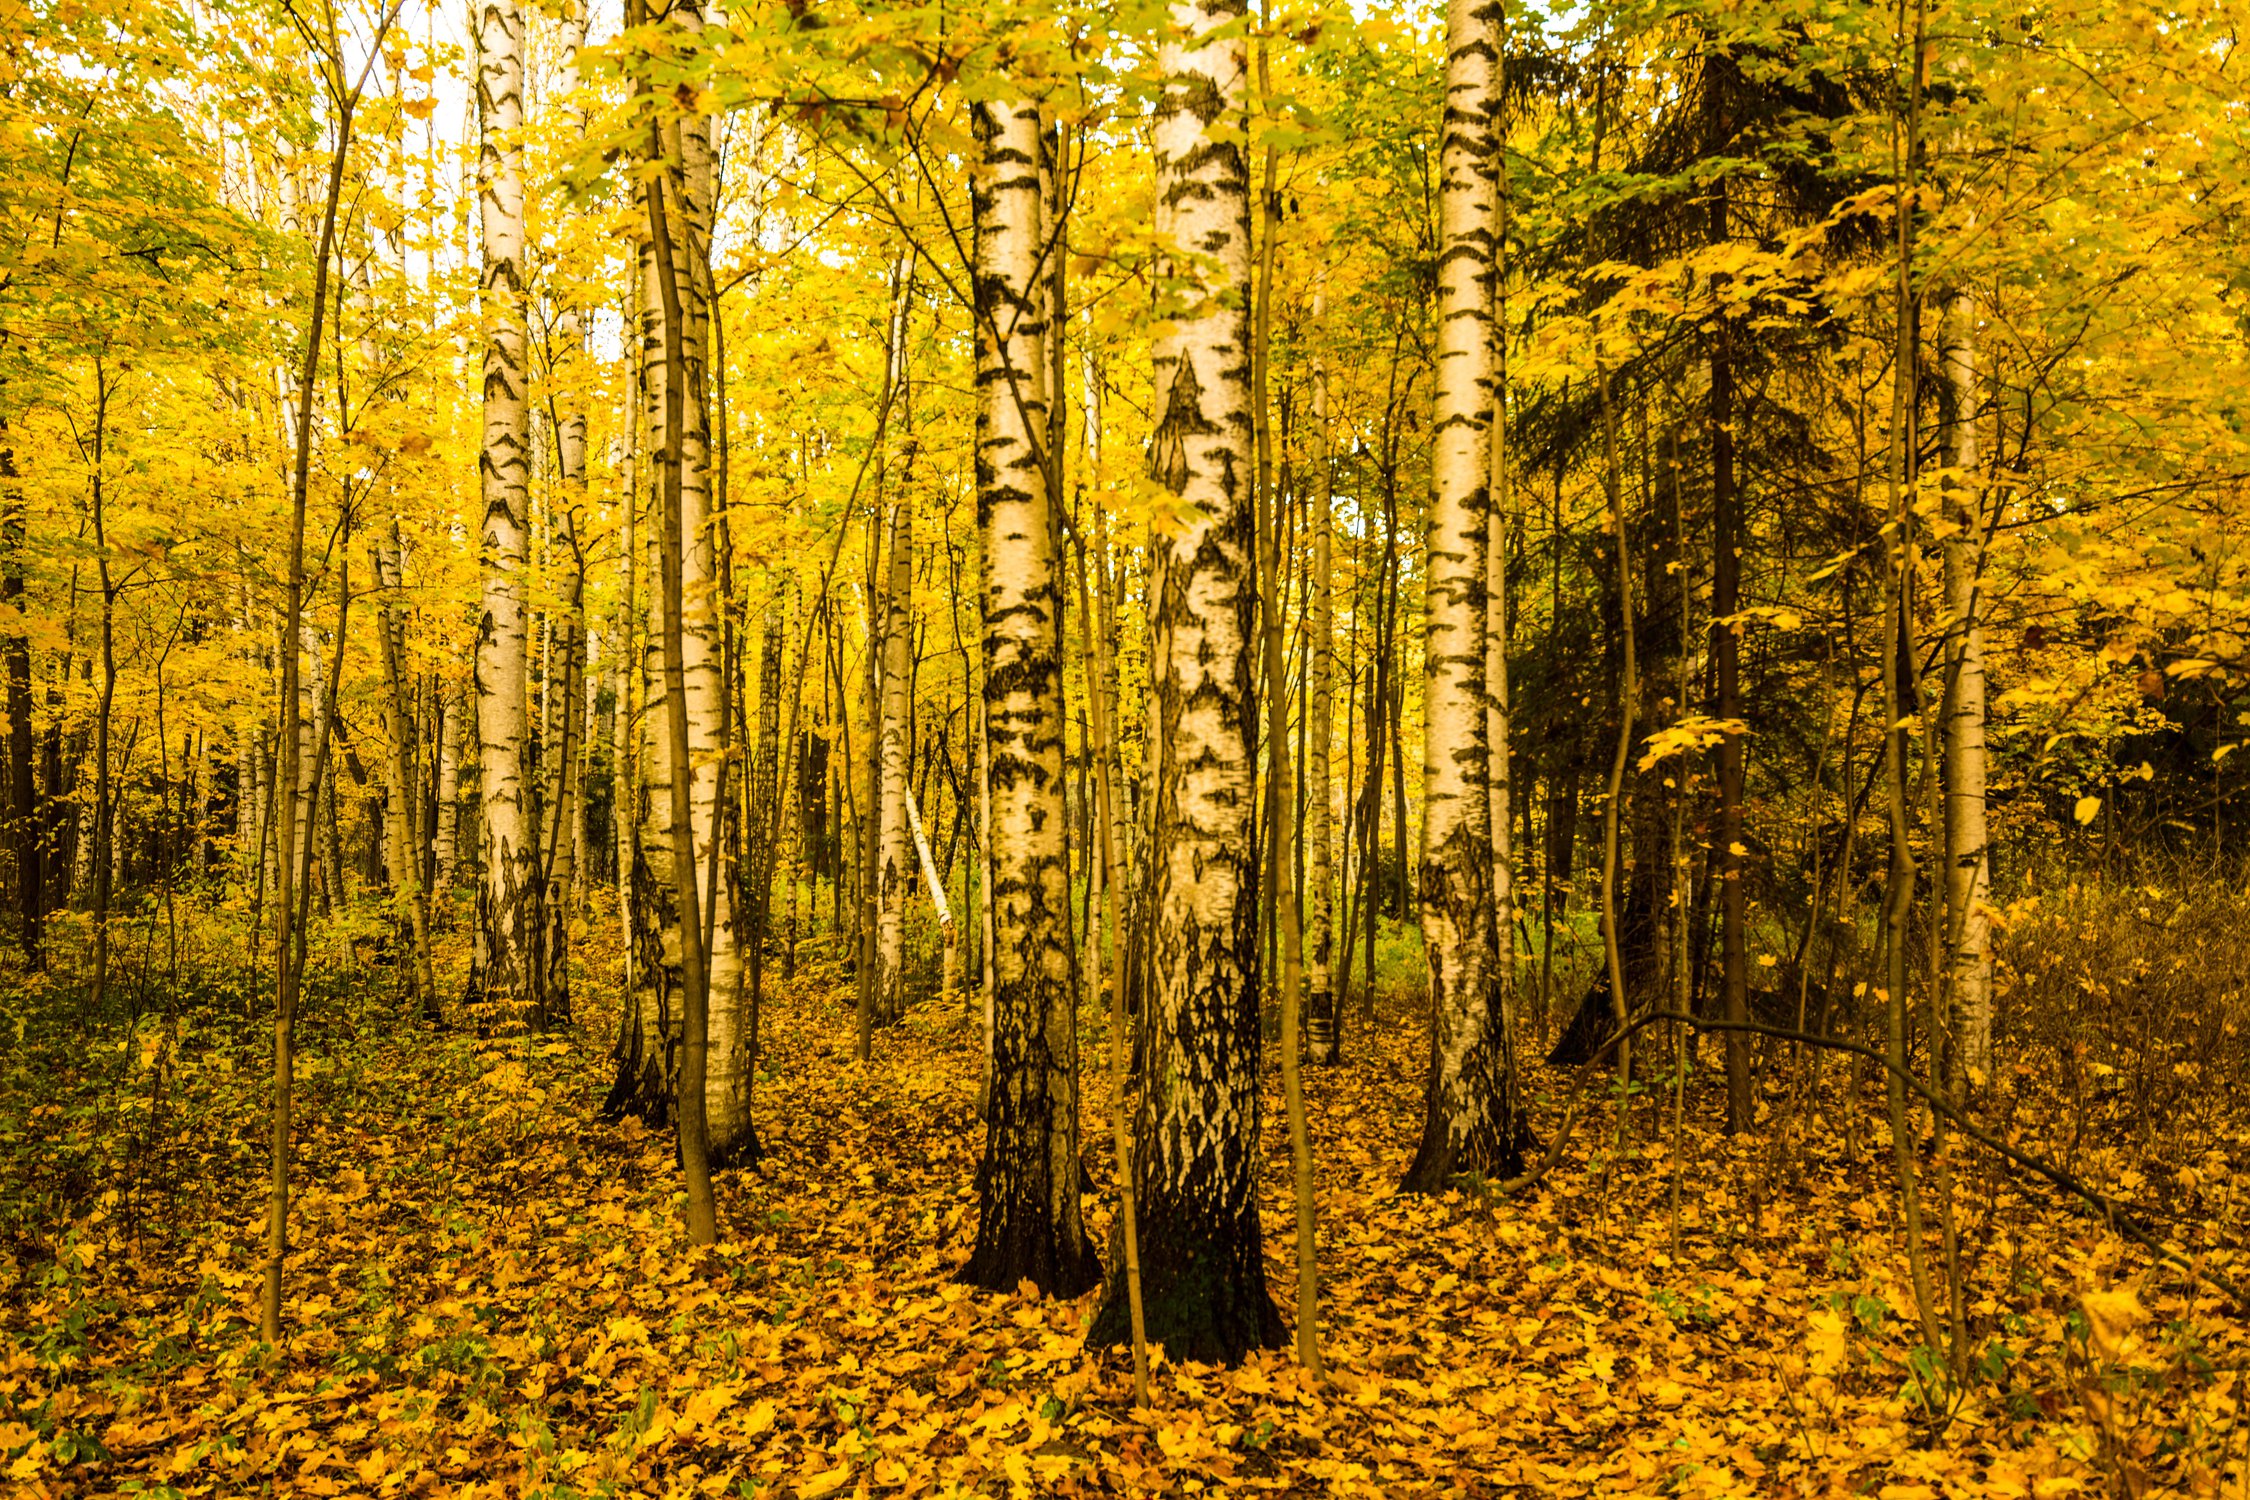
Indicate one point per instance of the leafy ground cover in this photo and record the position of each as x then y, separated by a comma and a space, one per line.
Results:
488, 1294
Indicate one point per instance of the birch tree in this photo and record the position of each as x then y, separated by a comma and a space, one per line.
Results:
506, 976
1467, 1123
1195, 1153
894, 852
566, 732
1968, 857
445, 839
676, 875
1029, 1225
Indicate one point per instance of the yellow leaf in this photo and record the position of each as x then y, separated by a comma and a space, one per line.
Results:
2111, 1318
825, 1484
2088, 809
705, 1405
1827, 1344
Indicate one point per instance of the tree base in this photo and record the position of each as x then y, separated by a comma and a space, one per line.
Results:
1203, 1296
640, 1090
744, 1152
1490, 1156
1593, 1023
1023, 1251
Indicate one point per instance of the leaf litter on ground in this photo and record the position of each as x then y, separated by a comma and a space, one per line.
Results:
488, 1295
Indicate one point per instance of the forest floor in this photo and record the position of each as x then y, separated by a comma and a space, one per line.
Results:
488, 1294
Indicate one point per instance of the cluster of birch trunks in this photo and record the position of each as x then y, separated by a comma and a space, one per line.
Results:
688, 772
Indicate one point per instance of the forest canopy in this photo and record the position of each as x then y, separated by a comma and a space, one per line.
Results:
1356, 749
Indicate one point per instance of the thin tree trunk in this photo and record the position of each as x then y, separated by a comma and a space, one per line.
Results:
1900, 567
561, 843
893, 851
1281, 902
105, 811
15, 652
403, 806
700, 1212
987, 907
1968, 919
683, 1052
287, 963
1726, 650
1367, 894
445, 838
1105, 607
766, 824
1628, 707
1106, 779
1497, 710
948, 936
629, 664
1321, 999
867, 813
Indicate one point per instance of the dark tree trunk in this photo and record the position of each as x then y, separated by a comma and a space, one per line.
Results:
1726, 653
1643, 922
766, 833
23, 820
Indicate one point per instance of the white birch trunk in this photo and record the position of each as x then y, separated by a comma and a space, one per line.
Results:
1969, 872
894, 855
445, 839
1466, 1125
568, 637
1196, 1154
1029, 1224
505, 977
948, 933
1105, 605
625, 662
